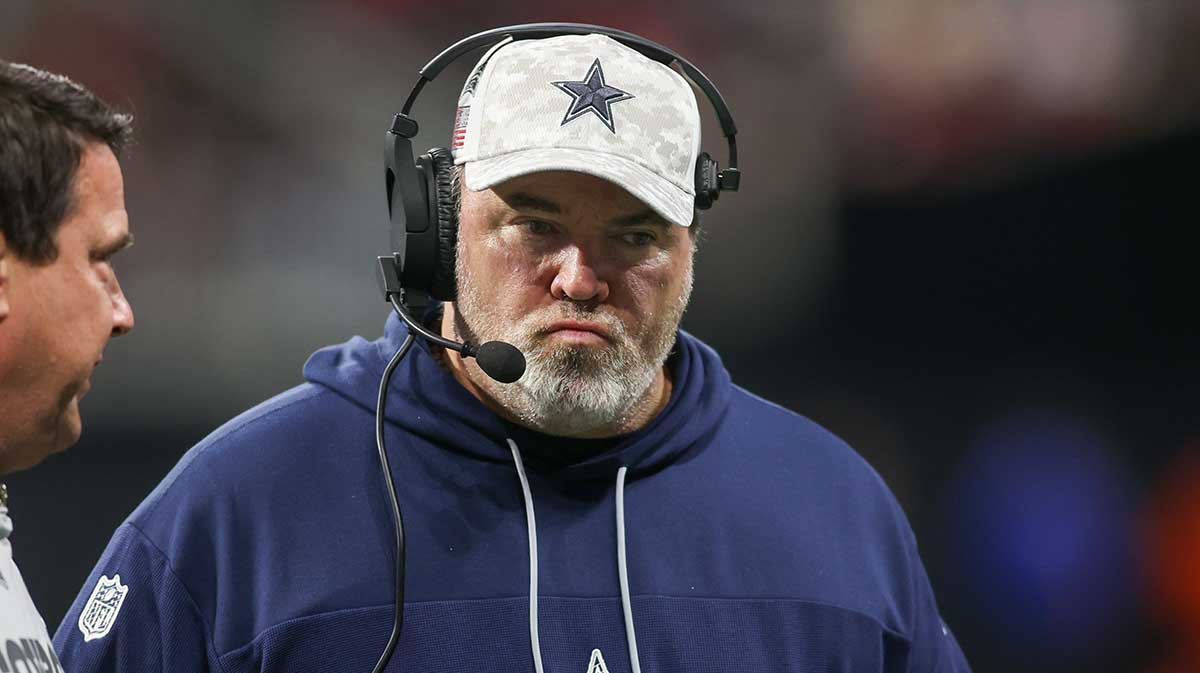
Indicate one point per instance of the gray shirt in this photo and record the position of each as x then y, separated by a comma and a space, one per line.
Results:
24, 642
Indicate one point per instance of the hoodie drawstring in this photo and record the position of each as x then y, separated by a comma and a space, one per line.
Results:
534, 643
622, 571
626, 606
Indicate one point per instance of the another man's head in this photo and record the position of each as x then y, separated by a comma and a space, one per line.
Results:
62, 218
577, 155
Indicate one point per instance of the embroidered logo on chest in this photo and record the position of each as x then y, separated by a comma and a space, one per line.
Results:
99, 613
597, 665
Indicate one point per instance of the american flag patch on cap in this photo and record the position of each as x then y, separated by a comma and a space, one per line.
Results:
460, 126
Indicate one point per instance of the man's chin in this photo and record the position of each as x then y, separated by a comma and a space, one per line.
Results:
68, 429
571, 367
64, 432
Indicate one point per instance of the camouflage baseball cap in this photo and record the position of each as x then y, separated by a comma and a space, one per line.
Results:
583, 103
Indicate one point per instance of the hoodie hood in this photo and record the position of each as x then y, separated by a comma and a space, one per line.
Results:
425, 399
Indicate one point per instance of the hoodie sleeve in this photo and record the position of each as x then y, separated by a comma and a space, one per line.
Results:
134, 615
934, 648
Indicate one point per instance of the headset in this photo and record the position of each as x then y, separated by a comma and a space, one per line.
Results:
424, 235
424, 221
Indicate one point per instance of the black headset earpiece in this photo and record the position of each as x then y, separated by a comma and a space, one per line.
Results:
424, 224
424, 221
439, 165
708, 186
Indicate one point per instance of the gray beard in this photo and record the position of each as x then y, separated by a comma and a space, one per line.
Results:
571, 390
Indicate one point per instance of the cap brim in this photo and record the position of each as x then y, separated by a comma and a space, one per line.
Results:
663, 196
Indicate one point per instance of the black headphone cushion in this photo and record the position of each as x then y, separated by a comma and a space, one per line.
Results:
444, 214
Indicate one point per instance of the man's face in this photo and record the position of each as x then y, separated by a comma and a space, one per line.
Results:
56, 317
587, 281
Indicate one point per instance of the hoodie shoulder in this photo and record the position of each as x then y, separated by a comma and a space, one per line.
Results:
242, 507
817, 506
778, 429
813, 459
223, 454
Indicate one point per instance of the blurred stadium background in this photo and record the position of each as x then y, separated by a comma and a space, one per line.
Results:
961, 244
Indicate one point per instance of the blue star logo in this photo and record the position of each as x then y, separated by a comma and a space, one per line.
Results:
592, 95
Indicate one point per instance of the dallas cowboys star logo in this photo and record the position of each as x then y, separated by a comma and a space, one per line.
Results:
592, 95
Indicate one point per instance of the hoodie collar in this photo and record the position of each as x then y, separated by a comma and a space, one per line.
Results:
425, 399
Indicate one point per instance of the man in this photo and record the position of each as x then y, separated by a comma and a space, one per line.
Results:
622, 507
62, 218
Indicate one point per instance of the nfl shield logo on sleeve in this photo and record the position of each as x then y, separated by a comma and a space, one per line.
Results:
101, 609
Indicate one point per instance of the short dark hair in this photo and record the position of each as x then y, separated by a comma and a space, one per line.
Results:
46, 121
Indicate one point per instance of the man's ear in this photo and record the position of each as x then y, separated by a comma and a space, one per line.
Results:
4, 280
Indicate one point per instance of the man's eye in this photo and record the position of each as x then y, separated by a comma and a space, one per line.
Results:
538, 227
638, 238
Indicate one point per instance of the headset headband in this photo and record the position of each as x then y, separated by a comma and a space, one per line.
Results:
727, 179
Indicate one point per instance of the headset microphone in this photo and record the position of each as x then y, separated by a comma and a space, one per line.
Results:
501, 361
498, 359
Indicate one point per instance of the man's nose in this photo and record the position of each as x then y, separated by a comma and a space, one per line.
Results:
122, 313
578, 279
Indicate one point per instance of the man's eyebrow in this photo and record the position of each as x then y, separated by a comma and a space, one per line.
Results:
523, 201
526, 201
647, 216
115, 247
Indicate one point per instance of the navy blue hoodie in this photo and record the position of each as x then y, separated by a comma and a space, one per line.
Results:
752, 540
